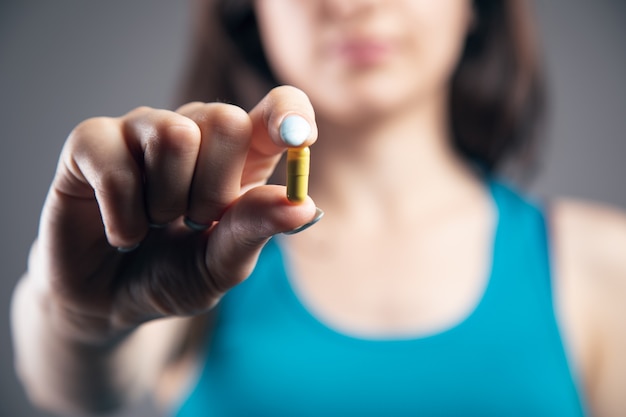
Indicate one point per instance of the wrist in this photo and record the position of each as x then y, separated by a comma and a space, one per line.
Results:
67, 323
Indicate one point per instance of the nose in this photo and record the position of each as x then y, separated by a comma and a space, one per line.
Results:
342, 9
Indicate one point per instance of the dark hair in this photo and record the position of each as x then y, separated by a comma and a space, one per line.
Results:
497, 98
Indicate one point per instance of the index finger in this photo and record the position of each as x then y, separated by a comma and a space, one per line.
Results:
270, 116
283, 118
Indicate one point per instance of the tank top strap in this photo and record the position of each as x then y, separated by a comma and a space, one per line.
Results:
520, 282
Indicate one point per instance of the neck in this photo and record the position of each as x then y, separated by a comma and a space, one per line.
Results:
396, 166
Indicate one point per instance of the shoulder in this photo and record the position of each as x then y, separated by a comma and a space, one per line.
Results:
589, 262
591, 238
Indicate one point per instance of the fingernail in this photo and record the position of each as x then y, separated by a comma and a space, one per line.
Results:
294, 130
198, 227
127, 249
319, 213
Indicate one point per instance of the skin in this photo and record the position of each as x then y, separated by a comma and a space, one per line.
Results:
203, 161
385, 131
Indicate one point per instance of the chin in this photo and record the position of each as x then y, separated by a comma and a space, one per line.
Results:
365, 104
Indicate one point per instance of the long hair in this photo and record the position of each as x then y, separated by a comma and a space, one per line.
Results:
497, 94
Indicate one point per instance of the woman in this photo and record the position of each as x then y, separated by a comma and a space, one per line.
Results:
426, 290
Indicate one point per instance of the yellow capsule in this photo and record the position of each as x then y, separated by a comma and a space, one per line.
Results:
298, 162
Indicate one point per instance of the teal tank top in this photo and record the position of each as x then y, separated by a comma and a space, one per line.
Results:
269, 356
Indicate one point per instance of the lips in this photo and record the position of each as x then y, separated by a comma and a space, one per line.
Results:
363, 51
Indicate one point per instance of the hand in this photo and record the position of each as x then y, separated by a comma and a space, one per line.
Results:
114, 249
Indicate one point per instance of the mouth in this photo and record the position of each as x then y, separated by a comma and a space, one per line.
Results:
363, 52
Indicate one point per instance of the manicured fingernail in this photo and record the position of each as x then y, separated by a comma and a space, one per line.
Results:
294, 130
319, 213
198, 227
127, 249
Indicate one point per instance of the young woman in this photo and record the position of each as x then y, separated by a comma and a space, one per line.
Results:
429, 288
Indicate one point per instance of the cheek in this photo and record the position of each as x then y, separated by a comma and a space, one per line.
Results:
286, 35
438, 41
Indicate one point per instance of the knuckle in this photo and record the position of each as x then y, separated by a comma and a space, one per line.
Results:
221, 274
283, 92
189, 107
87, 139
216, 200
90, 128
175, 137
116, 183
228, 120
250, 235
162, 130
139, 111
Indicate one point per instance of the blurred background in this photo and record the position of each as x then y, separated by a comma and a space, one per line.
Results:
64, 61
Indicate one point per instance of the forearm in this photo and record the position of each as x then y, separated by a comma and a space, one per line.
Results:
58, 372
63, 373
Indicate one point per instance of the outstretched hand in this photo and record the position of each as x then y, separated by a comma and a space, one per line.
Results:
159, 213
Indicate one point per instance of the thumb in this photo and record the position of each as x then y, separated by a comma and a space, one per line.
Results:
234, 244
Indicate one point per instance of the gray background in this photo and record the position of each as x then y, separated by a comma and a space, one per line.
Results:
64, 61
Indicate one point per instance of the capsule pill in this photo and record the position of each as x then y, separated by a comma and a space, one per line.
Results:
298, 163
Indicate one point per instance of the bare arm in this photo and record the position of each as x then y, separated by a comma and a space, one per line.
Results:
66, 375
591, 252
90, 320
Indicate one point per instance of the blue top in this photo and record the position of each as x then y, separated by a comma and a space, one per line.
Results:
269, 356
